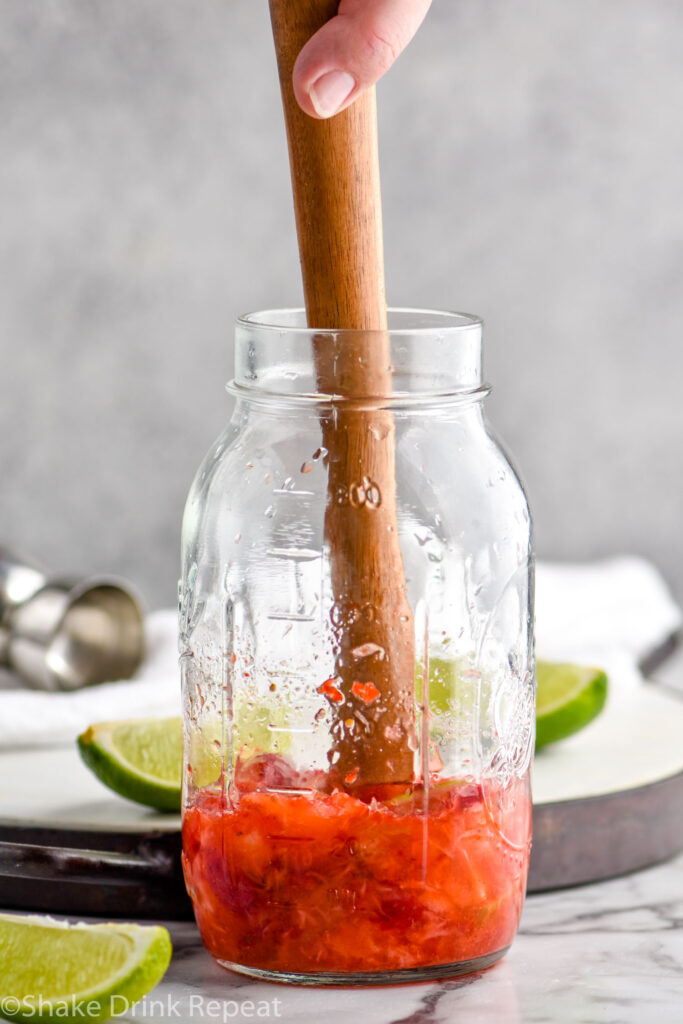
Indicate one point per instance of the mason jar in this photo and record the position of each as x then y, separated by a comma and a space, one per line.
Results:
356, 623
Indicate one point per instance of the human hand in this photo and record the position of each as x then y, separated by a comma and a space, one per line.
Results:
352, 50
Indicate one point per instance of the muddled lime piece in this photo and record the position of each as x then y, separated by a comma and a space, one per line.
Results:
449, 681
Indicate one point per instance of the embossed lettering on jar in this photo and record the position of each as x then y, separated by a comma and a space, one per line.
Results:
301, 866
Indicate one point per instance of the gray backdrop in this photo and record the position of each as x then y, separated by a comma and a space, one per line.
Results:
532, 173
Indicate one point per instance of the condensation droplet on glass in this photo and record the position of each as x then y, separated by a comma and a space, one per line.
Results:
438, 521
353, 615
320, 715
393, 732
435, 759
306, 467
288, 483
238, 538
379, 432
356, 495
373, 495
319, 453
269, 512
421, 540
250, 465
366, 650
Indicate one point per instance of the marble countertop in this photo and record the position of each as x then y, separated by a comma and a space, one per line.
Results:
610, 953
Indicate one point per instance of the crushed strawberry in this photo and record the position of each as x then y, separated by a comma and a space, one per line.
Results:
310, 880
367, 692
330, 689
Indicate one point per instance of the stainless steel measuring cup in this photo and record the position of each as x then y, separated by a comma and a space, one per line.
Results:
65, 634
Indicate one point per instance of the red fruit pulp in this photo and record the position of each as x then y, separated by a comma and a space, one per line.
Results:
315, 881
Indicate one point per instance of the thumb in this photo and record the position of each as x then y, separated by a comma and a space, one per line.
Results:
352, 50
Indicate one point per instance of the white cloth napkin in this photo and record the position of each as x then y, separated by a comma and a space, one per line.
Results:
593, 610
31, 717
612, 613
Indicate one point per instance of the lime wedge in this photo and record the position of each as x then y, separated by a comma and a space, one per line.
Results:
140, 759
52, 970
568, 698
452, 686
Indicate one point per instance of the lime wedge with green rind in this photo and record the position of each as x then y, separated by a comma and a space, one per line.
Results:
567, 699
54, 971
140, 759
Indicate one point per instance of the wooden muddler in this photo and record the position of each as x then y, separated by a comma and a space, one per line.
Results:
335, 180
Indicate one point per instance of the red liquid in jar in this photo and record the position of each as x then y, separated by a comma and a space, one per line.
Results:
307, 882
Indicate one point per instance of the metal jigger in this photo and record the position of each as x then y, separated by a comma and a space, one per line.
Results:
66, 634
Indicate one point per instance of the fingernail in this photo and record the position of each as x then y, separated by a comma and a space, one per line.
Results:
330, 91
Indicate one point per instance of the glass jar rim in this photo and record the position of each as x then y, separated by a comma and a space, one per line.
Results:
426, 321
431, 356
